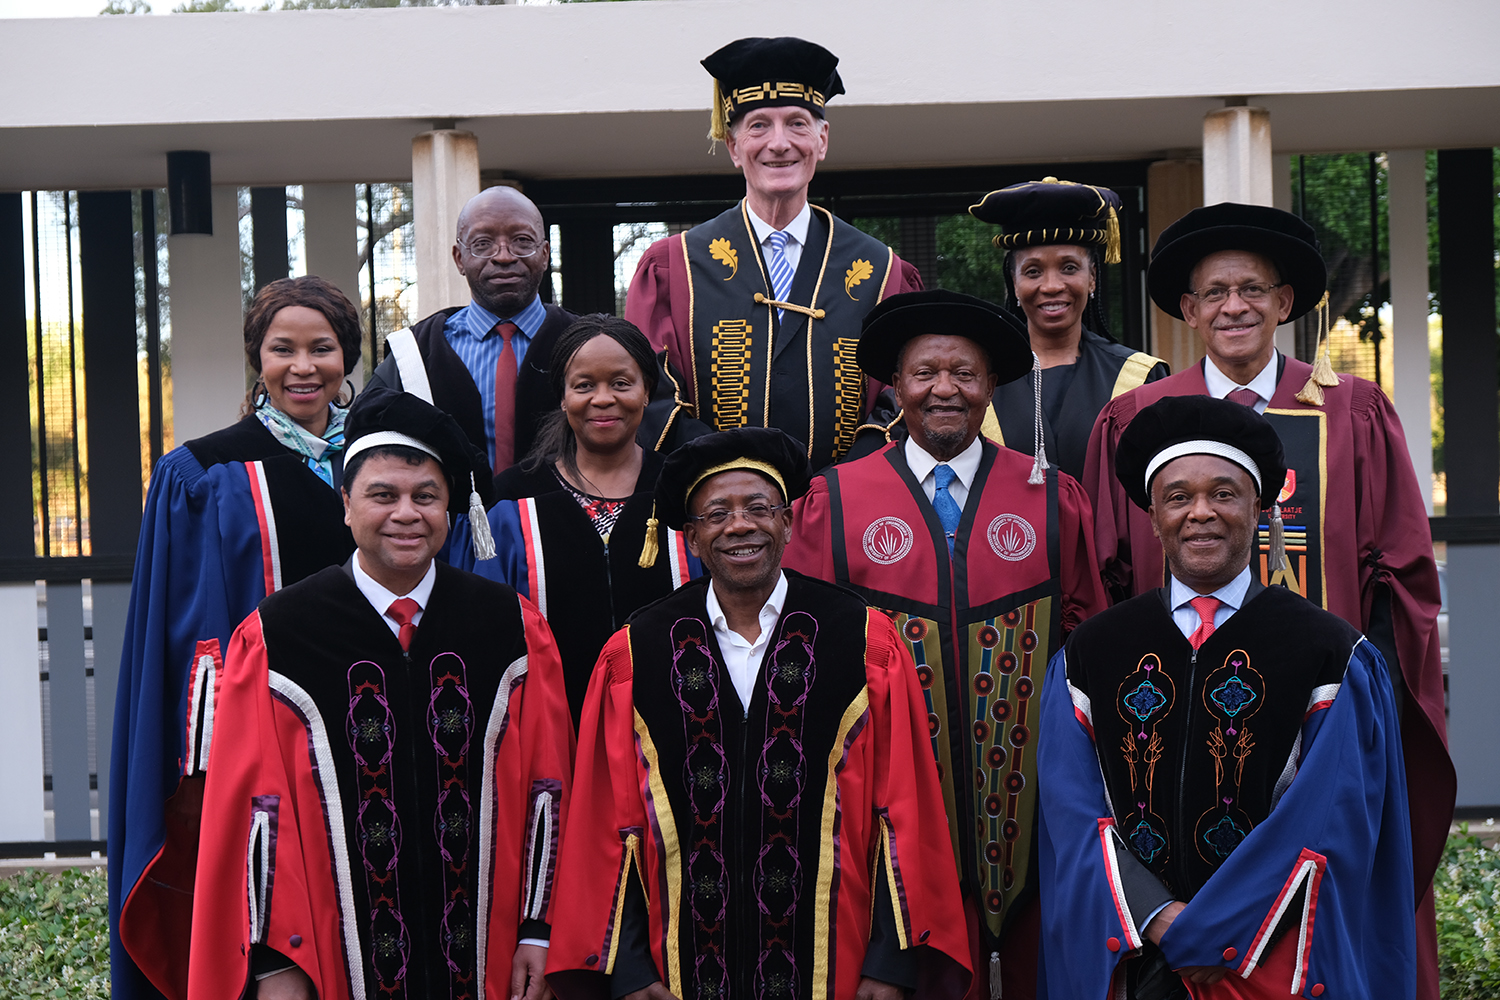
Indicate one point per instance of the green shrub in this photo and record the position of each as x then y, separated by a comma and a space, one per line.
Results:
1466, 886
54, 934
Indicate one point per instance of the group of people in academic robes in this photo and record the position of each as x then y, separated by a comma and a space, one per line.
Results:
760, 643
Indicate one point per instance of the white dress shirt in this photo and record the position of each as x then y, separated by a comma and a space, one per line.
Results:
741, 656
380, 598
1231, 597
796, 232
1221, 385
965, 466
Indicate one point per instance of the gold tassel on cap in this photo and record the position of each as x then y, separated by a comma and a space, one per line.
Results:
479, 525
1112, 238
649, 548
1322, 374
718, 122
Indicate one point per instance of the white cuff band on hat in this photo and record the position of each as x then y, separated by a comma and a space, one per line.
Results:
1202, 447
375, 439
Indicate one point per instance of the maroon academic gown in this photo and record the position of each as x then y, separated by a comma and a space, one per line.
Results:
980, 625
1359, 508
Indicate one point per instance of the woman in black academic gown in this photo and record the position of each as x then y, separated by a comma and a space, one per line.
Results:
1057, 236
572, 522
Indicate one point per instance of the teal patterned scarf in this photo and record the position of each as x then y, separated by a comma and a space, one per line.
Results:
318, 451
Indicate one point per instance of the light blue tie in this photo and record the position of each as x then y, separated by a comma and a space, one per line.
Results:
944, 504
781, 270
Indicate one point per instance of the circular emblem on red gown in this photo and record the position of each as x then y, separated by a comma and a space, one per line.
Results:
1011, 536
888, 540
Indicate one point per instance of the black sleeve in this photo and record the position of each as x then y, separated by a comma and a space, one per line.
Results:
880, 428
634, 967
386, 375
1144, 892
667, 423
1382, 635
884, 960
537, 930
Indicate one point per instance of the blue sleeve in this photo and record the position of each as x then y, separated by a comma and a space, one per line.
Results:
509, 565
1340, 836
198, 573
1087, 921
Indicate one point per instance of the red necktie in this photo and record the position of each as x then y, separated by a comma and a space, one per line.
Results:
401, 611
1245, 397
505, 400
1205, 606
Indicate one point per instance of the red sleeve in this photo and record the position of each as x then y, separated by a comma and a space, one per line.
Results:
811, 549
657, 303
605, 838
912, 842
1111, 507
262, 786
1082, 587
532, 778
1395, 549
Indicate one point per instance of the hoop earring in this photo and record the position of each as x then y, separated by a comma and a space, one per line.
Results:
344, 404
259, 394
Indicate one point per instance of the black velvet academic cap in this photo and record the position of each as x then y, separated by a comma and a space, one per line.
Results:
1289, 242
752, 73
763, 450
1050, 211
901, 318
382, 416
1198, 425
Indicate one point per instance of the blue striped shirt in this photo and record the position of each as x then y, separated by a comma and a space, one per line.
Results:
470, 332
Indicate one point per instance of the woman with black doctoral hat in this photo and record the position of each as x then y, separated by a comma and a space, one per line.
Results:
575, 515
1058, 234
985, 560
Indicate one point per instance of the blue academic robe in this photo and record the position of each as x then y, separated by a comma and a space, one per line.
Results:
1330, 864
229, 518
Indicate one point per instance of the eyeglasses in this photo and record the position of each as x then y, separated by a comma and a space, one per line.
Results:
758, 513
1218, 294
483, 248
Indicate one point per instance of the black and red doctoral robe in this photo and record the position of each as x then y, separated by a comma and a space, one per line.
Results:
760, 838
1359, 545
980, 626
387, 821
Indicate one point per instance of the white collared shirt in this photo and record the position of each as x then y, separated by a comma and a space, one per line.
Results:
796, 232
741, 656
965, 466
380, 598
1231, 597
1221, 385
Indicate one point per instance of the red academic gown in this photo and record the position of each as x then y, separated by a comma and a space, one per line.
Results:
1359, 507
389, 823
763, 837
980, 625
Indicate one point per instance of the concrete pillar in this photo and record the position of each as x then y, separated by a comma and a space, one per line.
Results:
444, 176
1406, 184
329, 222
208, 345
1237, 156
1173, 188
1281, 197
21, 735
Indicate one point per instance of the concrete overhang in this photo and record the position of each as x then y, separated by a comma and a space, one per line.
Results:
614, 89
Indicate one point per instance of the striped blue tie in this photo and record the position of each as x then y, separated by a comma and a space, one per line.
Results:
781, 271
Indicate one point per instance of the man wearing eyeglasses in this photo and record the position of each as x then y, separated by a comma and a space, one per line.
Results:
1357, 538
758, 812
486, 362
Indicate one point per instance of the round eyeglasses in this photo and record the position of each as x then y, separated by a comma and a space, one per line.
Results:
758, 513
1218, 294
483, 248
